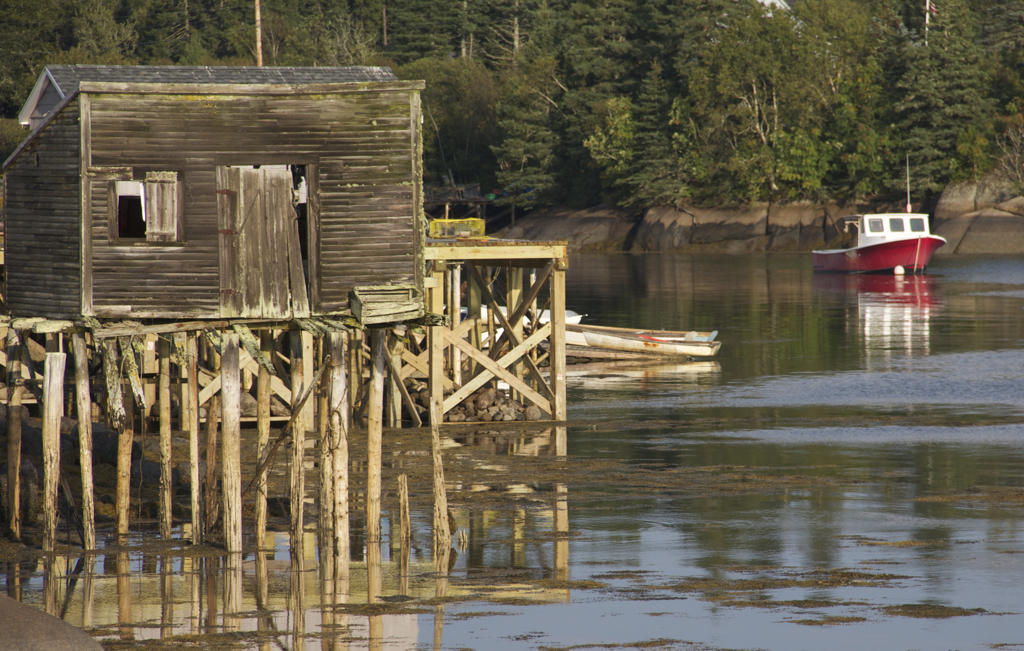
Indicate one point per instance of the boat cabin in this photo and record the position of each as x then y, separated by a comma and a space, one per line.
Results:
887, 227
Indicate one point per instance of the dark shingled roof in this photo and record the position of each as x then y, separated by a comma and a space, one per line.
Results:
68, 76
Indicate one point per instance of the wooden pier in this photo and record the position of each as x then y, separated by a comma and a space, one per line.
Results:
529, 268
189, 243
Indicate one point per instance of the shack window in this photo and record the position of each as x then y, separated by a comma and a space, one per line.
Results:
875, 225
131, 210
148, 210
917, 224
896, 224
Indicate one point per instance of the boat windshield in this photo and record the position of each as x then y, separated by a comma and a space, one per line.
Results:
917, 225
896, 224
875, 225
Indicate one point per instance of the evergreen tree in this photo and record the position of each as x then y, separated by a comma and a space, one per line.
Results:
644, 149
942, 102
526, 150
422, 28
598, 57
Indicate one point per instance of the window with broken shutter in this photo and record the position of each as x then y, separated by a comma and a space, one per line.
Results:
163, 207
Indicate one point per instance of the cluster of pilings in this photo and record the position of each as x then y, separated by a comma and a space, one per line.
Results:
205, 367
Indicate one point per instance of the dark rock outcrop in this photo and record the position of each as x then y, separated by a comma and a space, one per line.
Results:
592, 229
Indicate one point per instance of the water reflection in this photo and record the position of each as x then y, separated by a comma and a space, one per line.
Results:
894, 312
294, 592
854, 449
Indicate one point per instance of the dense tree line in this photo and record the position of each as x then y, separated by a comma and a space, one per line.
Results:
631, 102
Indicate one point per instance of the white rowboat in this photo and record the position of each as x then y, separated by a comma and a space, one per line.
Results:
657, 342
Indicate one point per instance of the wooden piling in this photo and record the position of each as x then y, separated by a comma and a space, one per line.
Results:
325, 497
297, 468
455, 309
191, 405
14, 433
513, 299
557, 376
473, 302
435, 378
231, 450
339, 425
84, 412
164, 400
375, 435
393, 406
355, 378
263, 434
442, 532
53, 410
120, 407
210, 483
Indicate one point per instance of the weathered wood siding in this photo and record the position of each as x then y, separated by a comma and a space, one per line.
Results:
363, 144
43, 256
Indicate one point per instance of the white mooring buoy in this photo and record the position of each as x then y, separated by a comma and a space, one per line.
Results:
899, 270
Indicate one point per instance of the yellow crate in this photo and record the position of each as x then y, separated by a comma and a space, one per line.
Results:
454, 228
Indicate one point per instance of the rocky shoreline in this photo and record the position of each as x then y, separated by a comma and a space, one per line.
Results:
975, 218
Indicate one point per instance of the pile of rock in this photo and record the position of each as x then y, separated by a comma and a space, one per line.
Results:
486, 405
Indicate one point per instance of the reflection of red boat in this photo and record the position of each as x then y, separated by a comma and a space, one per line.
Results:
884, 242
896, 291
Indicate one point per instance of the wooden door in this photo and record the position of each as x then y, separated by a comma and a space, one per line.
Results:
256, 225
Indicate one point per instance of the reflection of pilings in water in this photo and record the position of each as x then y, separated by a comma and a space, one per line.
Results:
124, 596
196, 589
518, 545
14, 581
561, 513
88, 592
374, 590
166, 597
50, 586
210, 582
405, 535
325, 537
441, 591
70, 590
298, 595
232, 592
561, 526
264, 621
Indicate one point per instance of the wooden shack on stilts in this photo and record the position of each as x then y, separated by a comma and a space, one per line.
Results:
194, 236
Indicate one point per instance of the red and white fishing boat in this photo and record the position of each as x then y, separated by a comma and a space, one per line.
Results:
885, 243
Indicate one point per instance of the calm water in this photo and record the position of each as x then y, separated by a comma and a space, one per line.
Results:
872, 426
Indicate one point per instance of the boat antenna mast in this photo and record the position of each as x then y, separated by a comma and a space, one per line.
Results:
908, 182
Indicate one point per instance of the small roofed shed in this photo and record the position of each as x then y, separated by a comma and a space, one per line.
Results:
166, 192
